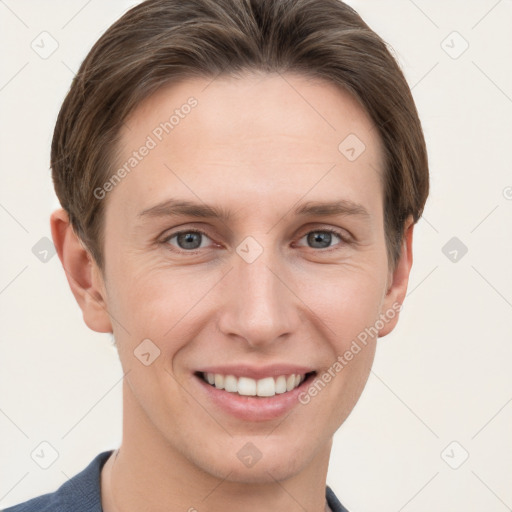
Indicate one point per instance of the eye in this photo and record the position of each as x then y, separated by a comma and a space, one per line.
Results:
192, 241
187, 241
322, 238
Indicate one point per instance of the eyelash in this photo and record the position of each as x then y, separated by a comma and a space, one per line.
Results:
344, 239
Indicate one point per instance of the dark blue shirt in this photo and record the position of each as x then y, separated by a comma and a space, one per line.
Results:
82, 493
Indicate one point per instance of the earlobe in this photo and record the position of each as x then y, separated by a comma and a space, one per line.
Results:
82, 273
399, 279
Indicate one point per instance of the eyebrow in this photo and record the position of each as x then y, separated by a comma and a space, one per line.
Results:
175, 207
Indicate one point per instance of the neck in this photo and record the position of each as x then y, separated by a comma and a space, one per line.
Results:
148, 473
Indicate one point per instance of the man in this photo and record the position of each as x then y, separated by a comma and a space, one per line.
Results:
239, 183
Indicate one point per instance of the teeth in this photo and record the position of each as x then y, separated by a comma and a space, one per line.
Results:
266, 387
281, 384
230, 384
245, 386
219, 381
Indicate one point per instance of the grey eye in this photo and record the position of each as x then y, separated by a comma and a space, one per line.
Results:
188, 240
322, 238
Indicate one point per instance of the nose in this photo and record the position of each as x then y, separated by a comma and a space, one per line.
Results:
259, 307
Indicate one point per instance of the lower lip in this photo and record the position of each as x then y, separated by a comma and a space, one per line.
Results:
251, 408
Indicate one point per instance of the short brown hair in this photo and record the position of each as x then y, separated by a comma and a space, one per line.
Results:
159, 42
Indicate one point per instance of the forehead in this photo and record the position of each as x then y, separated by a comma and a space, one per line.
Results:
284, 134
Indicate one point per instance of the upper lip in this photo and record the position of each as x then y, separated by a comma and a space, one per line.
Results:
257, 372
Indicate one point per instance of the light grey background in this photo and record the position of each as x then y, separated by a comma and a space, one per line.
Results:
441, 386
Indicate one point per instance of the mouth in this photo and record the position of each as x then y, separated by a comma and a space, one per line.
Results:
246, 386
253, 394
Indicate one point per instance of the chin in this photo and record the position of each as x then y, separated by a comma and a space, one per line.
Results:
268, 472
268, 464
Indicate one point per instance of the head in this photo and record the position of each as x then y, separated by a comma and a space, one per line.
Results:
239, 183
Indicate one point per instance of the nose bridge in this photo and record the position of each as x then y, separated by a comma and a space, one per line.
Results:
260, 308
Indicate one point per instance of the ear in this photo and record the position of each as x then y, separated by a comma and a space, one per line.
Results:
82, 272
398, 280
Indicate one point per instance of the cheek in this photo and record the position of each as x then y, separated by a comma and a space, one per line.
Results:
347, 314
348, 309
346, 299
162, 304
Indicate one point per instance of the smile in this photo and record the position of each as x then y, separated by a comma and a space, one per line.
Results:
252, 393
245, 386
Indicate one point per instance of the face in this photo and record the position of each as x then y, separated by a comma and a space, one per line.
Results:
246, 241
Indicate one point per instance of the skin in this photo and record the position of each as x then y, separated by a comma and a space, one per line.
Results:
257, 145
